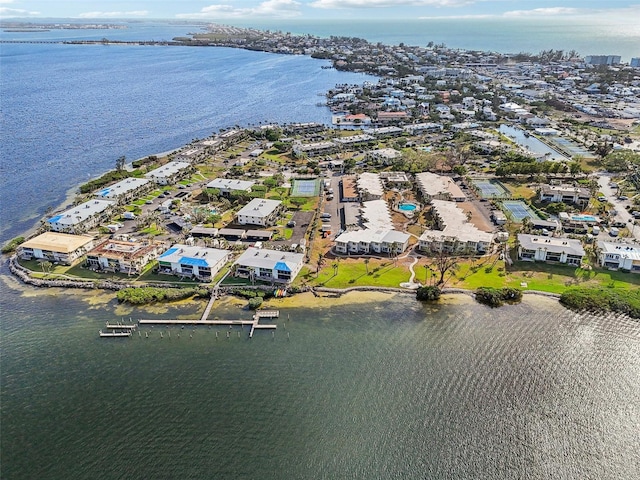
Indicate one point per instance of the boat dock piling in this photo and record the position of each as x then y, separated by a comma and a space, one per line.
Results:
121, 330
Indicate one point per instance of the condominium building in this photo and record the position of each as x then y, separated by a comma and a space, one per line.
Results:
550, 249
269, 265
455, 235
201, 263
56, 247
82, 217
260, 211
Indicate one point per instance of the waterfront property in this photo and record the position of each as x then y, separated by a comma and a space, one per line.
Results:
564, 194
455, 235
120, 256
227, 186
56, 247
201, 263
619, 256
169, 173
125, 190
82, 217
439, 187
550, 249
268, 265
366, 241
260, 211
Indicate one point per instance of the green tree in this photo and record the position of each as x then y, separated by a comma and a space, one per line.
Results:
121, 163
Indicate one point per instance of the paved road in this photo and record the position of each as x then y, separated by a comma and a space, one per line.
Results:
623, 215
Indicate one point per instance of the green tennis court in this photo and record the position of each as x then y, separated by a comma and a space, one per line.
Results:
305, 188
518, 210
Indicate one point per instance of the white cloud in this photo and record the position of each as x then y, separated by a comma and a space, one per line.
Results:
270, 8
543, 12
15, 12
136, 13
330, 4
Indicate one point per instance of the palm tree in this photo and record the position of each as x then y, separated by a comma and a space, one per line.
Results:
46, 266
366, 265
320, 262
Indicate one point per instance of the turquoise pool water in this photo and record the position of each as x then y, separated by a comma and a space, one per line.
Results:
407, 207
584, 218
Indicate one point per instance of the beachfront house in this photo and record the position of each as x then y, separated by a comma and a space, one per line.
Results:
121, 256
169, 173
619, 256
82, 217
56, 247
201, 263
268, 265
260, 211
536, 248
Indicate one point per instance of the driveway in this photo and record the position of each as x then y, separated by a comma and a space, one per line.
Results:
619, 205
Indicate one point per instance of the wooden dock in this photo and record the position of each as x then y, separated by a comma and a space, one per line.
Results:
117, 326
254, 323
115, 334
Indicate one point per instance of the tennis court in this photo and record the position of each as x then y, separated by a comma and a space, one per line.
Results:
491, 188
518, 210
571, 147
305, 188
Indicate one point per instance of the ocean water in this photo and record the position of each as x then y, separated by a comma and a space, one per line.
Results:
382, 389
68, 112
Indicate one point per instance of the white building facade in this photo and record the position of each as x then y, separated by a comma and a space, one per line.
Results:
269, 265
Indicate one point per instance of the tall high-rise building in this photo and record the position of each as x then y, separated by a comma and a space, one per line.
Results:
602, 59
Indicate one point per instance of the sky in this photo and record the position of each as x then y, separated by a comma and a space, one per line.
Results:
599, 11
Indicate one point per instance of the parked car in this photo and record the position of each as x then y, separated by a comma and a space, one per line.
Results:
291, 224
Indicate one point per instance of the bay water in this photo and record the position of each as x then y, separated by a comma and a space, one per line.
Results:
365, 387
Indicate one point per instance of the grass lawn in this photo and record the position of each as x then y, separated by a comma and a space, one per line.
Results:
353, 273
556, 278
153, 230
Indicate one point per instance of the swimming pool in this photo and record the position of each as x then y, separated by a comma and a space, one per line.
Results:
407, 207
584, 218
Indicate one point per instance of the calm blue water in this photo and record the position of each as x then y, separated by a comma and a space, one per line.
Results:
387, 389
68, 112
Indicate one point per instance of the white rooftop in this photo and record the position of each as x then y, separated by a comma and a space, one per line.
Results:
623, 249
368, 235
124, 186
375, 214
569, 246
259, 207
265, 258
455, 225
167, 170
433, 185
371, 183
230, 184
80, 213
194, 255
